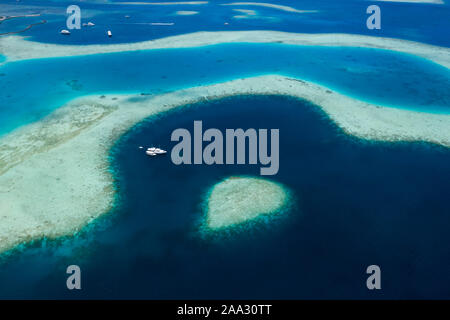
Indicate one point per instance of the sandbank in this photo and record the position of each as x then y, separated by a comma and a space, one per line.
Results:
186, 13
236, 200
18, 48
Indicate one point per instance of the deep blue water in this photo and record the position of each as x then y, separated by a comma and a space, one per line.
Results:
358, 203
419, 22
371, 75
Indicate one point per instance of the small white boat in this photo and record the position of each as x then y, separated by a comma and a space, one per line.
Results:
160, 151
90, 24
155, 151
64, 31
109, 33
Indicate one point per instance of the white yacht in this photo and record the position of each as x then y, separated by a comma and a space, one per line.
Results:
160, 151
66, 32
155, 151
109, 33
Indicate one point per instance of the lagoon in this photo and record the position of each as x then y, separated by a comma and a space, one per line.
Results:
356, 202
372, 75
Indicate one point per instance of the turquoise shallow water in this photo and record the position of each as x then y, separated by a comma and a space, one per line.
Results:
32, 89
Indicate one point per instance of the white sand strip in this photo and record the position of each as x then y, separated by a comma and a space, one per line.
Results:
54, 175
17, 48
246, 11
186, 13
269, 5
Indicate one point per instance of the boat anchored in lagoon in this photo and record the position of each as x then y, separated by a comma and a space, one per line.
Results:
155, 151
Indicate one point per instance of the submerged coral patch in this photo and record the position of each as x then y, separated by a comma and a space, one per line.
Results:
71, 146
236, 200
